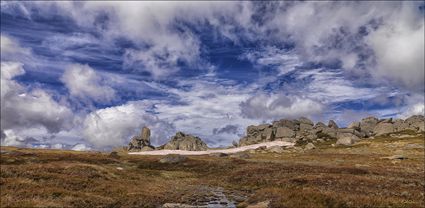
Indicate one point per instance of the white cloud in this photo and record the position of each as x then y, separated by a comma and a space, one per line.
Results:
11, 139
285, 61
22, 109
275, 106
81, 147
11, 49
83, 82
399, 47
114, 126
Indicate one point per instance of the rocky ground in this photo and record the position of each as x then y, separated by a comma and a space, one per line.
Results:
386, 171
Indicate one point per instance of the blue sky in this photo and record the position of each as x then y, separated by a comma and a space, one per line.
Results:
89, 75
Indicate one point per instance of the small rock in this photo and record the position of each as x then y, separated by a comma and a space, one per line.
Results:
172, 159
264, 204
276, 149
114, 155
261, 148
120, 168
309, 146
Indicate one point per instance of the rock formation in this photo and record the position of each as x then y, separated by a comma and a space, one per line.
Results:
303, 129
141, 142
182, 141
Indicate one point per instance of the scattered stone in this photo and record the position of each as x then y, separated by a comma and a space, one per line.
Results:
120, 168
172, 159
309, 146
182, 141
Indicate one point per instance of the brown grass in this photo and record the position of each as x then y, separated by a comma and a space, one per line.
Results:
354, 176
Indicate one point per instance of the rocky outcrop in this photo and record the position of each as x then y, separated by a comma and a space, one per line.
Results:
141, 142
416, 122
303, 129
182, 141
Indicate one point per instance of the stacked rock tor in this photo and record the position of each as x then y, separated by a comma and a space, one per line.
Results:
182, 141
141, 142
304, 129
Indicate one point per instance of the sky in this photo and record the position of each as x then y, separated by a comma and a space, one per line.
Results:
89, 75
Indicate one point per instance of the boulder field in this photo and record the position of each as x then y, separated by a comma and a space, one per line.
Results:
301, 130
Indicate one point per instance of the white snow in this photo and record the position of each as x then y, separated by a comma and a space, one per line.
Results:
227, 151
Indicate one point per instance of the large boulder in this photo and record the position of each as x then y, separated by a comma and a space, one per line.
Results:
383, 128
284, 132
268, 134
332, 124
141, 142
330, 132
285, 123
352, 131
304, 120
346, 139
400, 125
354, 125
416, 122
173, 159
368, 124
182, 141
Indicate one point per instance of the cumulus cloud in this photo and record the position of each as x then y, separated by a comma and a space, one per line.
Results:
399, 47
11, 50
229, 129
21, 108
83, 82
81, 147
275, 106
114, 126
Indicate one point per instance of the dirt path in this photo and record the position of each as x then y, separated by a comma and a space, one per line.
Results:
227, 151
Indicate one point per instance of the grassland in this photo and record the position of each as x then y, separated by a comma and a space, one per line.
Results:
357, 176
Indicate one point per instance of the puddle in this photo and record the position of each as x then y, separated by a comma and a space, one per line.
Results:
215, 197
219, 200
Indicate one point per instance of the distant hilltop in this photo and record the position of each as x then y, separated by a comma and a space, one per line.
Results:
301, 130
